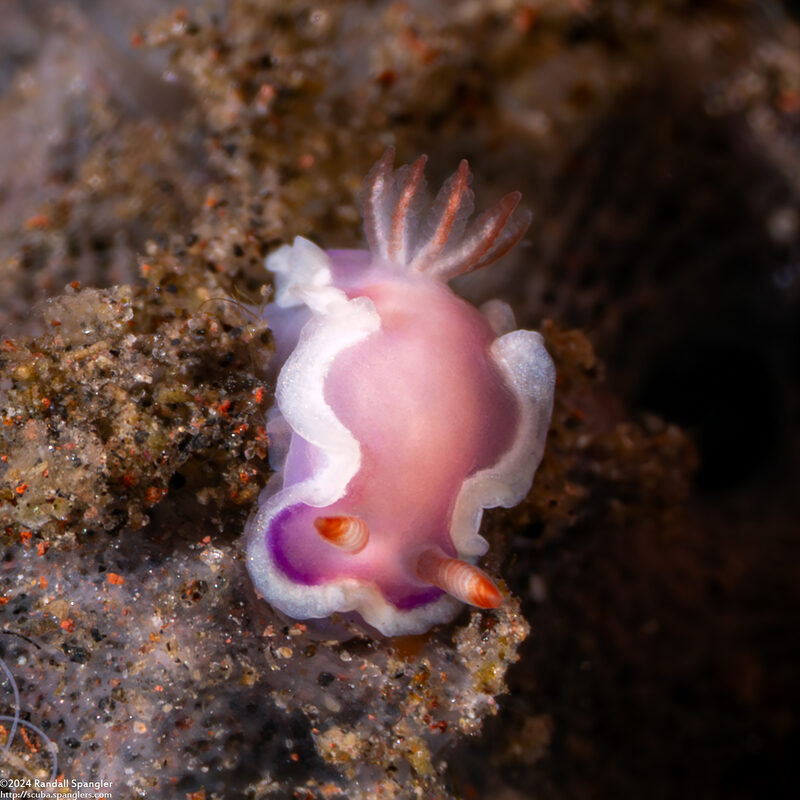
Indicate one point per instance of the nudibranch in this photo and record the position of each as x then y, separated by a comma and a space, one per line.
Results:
401, 412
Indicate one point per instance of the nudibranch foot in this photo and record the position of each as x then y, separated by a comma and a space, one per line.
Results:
401, 412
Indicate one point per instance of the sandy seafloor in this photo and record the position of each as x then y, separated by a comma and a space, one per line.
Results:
151, 156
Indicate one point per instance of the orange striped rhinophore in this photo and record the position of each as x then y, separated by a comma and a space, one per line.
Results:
350, 534
464, 581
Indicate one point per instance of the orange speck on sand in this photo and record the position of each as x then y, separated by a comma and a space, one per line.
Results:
25, 536
159, 688
154, 494
408, 647
525, 18
114, 579
294, 757
47, 402
470, 792
20, 490
415, 44
68, 624
37, 222
76, 285
788, 101
41, 548
259, 394
387, 78
265, 96
3, 601
43, 582
31, 744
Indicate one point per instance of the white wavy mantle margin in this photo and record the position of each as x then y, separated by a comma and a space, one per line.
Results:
531, 375
304, 277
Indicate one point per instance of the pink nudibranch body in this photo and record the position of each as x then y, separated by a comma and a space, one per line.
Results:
401, 413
